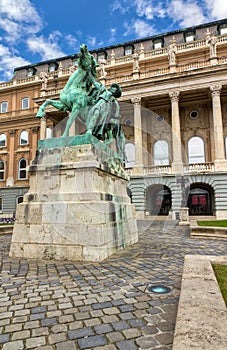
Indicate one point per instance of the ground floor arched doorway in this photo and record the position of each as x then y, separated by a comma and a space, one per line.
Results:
201, 200
158, 200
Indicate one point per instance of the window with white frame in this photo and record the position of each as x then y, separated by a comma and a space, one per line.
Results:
223, 31
196, 150
101, 56
25, 103
130, 155
31, 71
189, 36
75, 62
2, 170
24, 138
161, 152
53, 67
4, 106
2, 140
128, 50
22, 165
158, 43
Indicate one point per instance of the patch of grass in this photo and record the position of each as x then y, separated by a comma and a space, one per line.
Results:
221, 275
214, 223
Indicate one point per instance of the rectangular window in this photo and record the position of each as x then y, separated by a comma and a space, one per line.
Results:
158, 45
223, 31
25, 103
189, 38
4, 107
0, 204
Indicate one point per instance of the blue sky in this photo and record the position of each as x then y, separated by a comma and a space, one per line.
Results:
36, 30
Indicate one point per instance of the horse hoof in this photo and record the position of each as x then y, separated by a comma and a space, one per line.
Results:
39, 115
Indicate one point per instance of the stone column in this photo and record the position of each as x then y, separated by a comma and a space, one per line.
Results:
177, 164
43, 126
10, 178
138, 132
34, 141
219, 150
72, 130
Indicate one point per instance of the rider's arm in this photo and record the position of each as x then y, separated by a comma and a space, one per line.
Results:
94, 82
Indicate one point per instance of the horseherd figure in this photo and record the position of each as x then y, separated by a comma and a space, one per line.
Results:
85, 98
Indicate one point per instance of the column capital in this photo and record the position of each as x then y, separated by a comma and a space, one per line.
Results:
35, 129
174, 96
12, 132
215, 90
136, 100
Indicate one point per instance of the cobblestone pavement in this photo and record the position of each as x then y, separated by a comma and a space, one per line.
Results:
68, 305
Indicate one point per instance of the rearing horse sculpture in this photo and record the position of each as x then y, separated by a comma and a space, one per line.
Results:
74, 96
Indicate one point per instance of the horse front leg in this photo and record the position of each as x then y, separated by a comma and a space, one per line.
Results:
57, 104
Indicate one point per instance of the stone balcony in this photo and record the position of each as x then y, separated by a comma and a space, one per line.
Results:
196, 168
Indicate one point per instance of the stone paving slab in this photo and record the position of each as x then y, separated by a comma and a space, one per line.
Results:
69, 305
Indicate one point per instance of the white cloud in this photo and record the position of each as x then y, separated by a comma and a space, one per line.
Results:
9, 61
188, 13
47, 48
18, 18
72, 41
121, 5
113, 33
145, 8
217, 8
140, 28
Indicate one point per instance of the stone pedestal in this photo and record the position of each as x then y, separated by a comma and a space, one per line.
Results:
77, 207
184, 216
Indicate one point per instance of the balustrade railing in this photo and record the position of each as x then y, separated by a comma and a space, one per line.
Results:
198, 167
167, 169
129, 59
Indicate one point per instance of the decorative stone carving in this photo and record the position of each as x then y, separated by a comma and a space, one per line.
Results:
44, 79
215, 90
141, 51
102, 68
174, 96
136, 66
212, 42
172, 49
112, 58
136, 100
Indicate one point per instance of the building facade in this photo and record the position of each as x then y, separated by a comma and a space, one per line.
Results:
173, 112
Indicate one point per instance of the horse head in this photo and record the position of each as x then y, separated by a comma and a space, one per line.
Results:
87, 61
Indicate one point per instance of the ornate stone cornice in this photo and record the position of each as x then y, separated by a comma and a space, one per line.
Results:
136, 100
215, 90
174, 96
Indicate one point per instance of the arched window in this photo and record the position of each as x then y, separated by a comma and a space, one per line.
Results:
226, 147
2, 140
130, 155
161, 153
4, 106
25, 103
2, 170
20, 199
22, 174
24, 138
48, 133
196, 150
